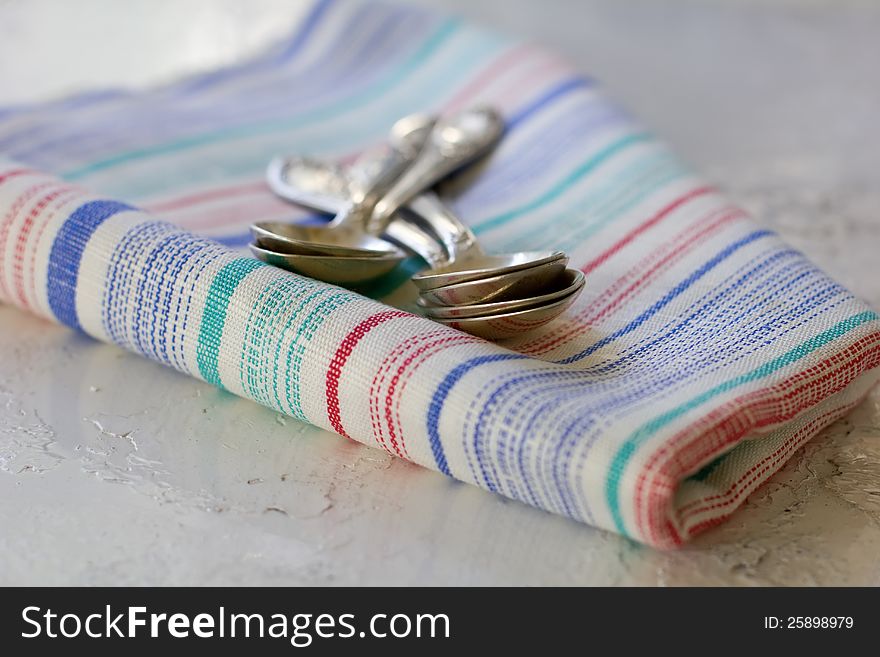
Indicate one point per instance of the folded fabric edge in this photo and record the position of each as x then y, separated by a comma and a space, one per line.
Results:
699, 477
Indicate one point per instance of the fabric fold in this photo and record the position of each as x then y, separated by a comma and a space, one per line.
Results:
702, 354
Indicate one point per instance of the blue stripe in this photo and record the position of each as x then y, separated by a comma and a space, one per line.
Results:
239, 240
599, 408
243, 239
299, 40
439, 398
82, 99
198, 83
778, 284
672, 294
563, 89
122, 275
66, 255
512, 159
492, 401
337, 75
318, 11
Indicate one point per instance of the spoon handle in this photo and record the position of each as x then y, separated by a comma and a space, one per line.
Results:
425, 226
309, 182
381, 167
327, 188
453, 143
457, 239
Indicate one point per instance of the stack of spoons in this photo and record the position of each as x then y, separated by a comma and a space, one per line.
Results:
384, 210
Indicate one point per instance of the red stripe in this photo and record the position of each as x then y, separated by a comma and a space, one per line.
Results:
236, 212
16, 172
392, 406
18, 257
508, 59
649, 268
208, 195
773, 462
9, 218
728, 425
379, 380
376, 387
741, 485
564, 333
496, 68
684, 247
538, 80
334, 371
523, 53
431, 343
650, 223
732, 428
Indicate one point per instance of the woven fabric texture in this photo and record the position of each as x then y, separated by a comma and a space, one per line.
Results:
703, 352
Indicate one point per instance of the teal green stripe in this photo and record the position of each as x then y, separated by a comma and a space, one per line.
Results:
293, 357
559, 188
626, 451
444, 73
410, 266
277, 356
304, 335
214, 315
588, 214
446, 30
256, 362
650, 188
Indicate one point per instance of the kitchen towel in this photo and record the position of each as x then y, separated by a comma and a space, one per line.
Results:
703, 352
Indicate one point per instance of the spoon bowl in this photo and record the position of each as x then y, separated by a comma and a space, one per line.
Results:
310, 182
518, 284
491, 296
571, 281
347, 271
313, 183
318, 240
318, 186
478, 265
507, 325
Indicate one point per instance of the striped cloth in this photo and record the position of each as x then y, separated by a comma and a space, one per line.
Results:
702, 354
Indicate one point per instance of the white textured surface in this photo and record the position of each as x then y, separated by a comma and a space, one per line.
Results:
114, 470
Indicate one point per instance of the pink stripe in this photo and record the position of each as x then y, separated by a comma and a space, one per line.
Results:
488, 75
238, 212
439, 339
18, 258
648, 268
769, 465
9, 218
519, 61
517, 89
644, 227
16, 172
205, 196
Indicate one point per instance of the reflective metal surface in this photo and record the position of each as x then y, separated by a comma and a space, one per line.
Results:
347, 271
508, 325
569, 282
